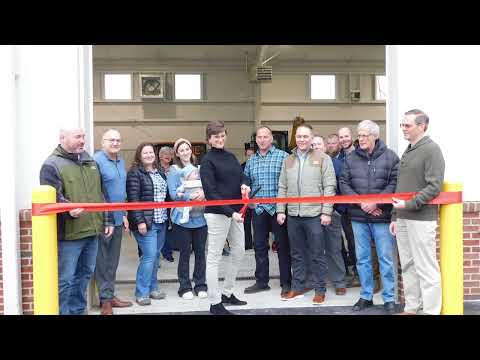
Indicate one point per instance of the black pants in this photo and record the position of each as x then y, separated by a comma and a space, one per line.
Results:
247, 226
108, 256
351, 259
307, 249
189, 238
263, 224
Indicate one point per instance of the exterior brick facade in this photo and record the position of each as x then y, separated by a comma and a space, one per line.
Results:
26, 261
471, 254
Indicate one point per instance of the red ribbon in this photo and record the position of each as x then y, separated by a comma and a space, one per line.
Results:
45, 209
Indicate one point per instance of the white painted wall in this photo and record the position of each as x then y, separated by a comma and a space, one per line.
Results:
443, 82
43, 88
52, 91
8, 202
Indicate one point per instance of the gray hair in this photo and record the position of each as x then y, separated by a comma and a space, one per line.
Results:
369, 126
165, 150
111, 129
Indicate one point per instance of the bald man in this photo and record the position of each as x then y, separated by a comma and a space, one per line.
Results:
114, 176
75, 176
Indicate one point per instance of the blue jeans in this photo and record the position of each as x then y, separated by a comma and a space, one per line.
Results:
150, 244
384, 243
76, 264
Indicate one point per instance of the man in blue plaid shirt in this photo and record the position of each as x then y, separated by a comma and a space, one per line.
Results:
263, 170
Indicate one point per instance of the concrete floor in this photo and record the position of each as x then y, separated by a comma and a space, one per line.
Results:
173, 304
264, 303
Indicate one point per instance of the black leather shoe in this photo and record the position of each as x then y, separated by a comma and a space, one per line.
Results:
389, 307
232, 300
362, 304
219, 309
255, 288
169, 258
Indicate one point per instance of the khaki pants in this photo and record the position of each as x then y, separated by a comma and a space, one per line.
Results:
221, 227
420, 271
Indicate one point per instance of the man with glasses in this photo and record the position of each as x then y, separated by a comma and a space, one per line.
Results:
112, 171
372, 169
422, 170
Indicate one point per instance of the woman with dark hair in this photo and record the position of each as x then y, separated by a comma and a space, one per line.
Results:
222, 178
146, 183
191, 230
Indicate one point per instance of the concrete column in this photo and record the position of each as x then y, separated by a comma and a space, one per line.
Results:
443, 82
12, 295
53, 91
43, 89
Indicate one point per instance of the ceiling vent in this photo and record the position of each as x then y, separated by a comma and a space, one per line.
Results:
355, 95
261, 73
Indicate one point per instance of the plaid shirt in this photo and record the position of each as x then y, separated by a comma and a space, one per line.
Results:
264, 171
159, 194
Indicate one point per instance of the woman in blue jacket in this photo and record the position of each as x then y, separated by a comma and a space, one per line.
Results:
193, 233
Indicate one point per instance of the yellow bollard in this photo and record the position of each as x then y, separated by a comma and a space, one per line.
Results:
45, 255
451, 254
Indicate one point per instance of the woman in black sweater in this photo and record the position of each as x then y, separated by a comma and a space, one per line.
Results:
222, 178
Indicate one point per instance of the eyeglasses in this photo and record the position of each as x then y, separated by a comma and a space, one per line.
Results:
114, 140
363, 136
406, 126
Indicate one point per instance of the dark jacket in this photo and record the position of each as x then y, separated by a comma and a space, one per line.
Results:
222, 176
140, 188
76, 179
338, 162
370, 174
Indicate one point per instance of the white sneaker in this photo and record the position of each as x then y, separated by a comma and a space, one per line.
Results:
202, 294
188, 295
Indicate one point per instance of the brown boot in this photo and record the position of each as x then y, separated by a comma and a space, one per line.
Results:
116, 302
106, 308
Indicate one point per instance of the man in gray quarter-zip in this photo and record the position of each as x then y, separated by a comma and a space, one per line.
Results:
421, 170
306, 172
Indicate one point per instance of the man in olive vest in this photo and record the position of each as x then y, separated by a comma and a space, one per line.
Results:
76, 178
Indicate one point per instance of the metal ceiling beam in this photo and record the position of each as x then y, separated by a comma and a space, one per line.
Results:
262, 55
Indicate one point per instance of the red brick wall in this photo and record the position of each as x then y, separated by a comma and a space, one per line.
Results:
471, 250
26, 261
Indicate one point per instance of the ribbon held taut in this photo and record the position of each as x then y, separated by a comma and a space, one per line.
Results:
55, 208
